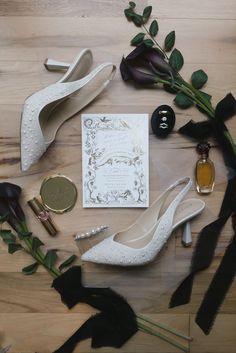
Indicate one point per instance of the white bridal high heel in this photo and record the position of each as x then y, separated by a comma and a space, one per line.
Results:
143, 240
46, 110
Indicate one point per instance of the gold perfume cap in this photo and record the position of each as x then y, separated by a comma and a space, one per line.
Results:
58, 193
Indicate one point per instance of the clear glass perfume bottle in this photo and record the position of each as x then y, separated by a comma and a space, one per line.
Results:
205, 170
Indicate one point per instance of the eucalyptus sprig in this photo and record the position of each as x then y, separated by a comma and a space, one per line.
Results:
164, 63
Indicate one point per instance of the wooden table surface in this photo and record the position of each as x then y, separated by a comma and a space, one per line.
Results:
32, 317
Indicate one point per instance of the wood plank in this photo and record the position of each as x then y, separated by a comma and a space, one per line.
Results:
63, 42
221, 340
79, 8
60, 327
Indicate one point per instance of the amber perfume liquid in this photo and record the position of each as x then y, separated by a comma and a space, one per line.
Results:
205, 170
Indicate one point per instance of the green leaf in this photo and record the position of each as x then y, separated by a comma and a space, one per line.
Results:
132, 4
137, 20
23, 235
153, 29
31, 269
67, 262
183, 101
176, 60
13, 247
148, 42
129, 13
206, 95
7, 236
170, 41
50, 258
147, 13
138, 39
36, 243
132, 16
3, 218
199, 78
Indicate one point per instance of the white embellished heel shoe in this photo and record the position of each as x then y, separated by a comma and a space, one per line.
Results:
143, 240
46, 110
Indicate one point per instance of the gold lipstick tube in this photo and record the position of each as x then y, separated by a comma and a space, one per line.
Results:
43, 215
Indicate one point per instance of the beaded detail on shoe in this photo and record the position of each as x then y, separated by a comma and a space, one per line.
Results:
112, 252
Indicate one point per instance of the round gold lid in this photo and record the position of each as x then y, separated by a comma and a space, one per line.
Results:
58, 193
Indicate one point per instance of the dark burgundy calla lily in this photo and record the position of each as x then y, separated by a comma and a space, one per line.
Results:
149, 57
5, 211
158, 63
9, 190
9, 199
141, 50
128, 72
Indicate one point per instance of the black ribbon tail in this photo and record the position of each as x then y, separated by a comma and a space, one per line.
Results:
205, 247
182, 294
84, 332
201, 260
225, 109
217, 290
228, 147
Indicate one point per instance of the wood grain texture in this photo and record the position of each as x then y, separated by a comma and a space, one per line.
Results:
32, 317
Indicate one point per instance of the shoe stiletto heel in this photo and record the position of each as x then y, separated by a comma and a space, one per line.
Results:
46, 110
187, 236
55, 65
142, 241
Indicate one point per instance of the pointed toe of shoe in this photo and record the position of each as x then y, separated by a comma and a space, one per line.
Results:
107, 252
98, 253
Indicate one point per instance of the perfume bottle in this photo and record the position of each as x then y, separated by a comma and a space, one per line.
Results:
205, 170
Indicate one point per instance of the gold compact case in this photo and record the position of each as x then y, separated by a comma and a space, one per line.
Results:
58, 193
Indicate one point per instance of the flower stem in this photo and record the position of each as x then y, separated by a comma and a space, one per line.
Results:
153, 39
38, 254
164, 327
187, 91
200, 97
147, 329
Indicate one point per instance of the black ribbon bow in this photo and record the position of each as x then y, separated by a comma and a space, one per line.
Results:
225, 109
204, 252
113, 326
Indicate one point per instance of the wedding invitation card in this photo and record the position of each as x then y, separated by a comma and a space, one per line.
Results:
115, 167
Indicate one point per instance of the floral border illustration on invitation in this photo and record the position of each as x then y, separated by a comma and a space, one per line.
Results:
94, 152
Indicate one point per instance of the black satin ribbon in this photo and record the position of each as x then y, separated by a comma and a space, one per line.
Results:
112, 326
202, 130
205, 247
218, 288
